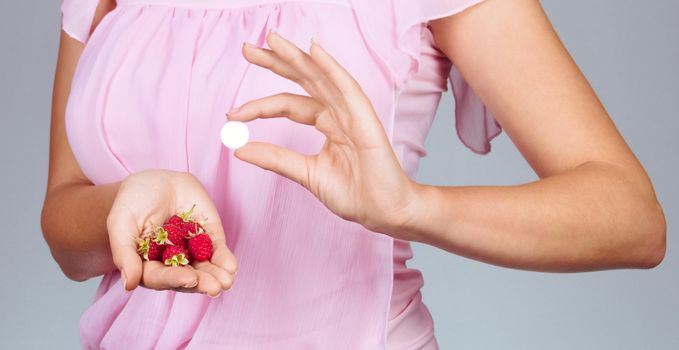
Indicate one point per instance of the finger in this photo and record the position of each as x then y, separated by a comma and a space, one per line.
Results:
367, 135
302, 63
289, 61
221, 254
334, 71
158, 276
224, 258
268, 59
293, 165
224, 278
123, 234
297, 59
207, 284
298, 108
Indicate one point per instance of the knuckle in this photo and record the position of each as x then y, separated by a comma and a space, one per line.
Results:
110, 219
283, 69
214, 290
298, 57
253, 109
235, 265
318, 79
299, 81
226, 285
285, 106
187, 283
275, 162
306, 84
190, 176
117, 260
306, 180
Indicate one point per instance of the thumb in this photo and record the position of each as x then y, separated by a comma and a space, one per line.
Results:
295, 166
123, 234
221, 254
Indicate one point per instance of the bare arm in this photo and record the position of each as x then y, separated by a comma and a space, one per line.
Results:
593, 208
92, 230
74, 212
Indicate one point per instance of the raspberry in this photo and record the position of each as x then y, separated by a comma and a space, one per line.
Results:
181, 217
143, 247
175, 255
178, 241
200, 247
169, 234
175, 220
155, 251
186, 222
149, 249
175, 234
191, 228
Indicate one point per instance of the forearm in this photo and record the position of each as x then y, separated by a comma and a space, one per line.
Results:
589, 218
74, 212
74, 226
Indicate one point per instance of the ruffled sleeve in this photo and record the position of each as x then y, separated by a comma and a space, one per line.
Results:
394, 30
77, 17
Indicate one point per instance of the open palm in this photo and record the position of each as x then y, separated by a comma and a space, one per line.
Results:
151, 197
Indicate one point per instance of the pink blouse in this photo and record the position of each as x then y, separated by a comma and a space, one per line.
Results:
151, 90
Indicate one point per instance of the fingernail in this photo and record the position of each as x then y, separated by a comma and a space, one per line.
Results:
233, 111
315, 42
124, 279
216, 296
272, 31
191, 286
248, 45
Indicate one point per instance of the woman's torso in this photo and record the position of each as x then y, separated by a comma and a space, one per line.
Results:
151, 90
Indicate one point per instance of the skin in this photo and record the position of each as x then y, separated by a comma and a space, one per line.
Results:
92, 229
592, 208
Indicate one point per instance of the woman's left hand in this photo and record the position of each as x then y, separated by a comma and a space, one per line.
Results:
356, 174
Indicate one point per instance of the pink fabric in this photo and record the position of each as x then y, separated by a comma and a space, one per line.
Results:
151, 90
395, 30
77, 18
475, 125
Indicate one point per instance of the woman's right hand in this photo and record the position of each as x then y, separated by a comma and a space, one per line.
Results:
151, 197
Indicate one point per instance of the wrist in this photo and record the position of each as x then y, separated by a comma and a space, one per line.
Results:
160, 176
408, 224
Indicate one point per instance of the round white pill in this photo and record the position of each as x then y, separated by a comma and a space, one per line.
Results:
234, 134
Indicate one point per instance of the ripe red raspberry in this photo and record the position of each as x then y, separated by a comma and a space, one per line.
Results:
181, 217
155, 251
169, 234
191, 228
175, 255
149, 249
200, 247
175, 234
175, 220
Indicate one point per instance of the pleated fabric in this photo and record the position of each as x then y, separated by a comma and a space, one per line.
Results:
395, 30
151, 90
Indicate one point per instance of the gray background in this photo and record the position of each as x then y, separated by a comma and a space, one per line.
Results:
629, 51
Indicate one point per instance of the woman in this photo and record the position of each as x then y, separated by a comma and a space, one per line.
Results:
135, 137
